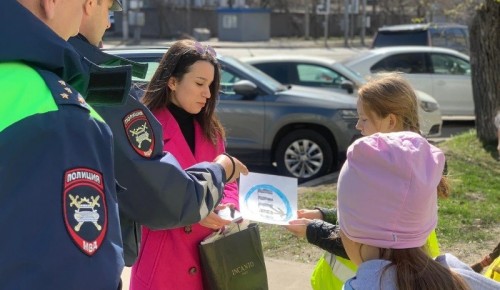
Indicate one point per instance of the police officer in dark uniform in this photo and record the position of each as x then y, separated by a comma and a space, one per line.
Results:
59, 210
159, 194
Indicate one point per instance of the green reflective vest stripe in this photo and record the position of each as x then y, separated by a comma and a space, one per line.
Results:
322, 277
331, 272
18, 81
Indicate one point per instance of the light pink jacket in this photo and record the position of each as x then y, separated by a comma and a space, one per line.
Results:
169, 259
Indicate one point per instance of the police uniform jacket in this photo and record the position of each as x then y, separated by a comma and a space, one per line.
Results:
59, 211
159, 193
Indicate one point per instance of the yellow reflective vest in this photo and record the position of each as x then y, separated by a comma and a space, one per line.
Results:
493, 270
332, 271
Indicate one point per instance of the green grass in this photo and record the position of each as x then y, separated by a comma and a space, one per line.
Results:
468, 219
472, 211
278, 242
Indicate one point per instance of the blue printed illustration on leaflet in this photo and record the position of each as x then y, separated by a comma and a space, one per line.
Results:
268, 207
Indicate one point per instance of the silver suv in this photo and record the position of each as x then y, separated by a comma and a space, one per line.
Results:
304, 131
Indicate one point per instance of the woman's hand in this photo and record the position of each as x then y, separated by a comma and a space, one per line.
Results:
214, 222
298, 227
232, 167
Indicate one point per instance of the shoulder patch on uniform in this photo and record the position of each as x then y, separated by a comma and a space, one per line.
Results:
139, 132
84, 208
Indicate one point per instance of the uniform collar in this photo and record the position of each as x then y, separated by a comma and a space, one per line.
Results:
99, 57
113, 76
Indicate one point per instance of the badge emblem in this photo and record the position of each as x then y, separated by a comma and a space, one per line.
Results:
84, 207
139, 133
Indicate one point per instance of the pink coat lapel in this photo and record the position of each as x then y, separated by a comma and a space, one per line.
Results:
176, 144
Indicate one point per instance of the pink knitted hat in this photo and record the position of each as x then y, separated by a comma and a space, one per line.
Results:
387, 190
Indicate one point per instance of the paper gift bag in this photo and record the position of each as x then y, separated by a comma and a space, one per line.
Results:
234, 261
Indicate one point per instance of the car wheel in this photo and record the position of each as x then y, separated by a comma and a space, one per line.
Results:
304, 154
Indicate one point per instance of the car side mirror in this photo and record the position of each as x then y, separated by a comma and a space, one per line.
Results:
348, 86
245, 88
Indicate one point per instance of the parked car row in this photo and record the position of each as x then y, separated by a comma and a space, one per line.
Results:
442, 73
299, 112
330, 75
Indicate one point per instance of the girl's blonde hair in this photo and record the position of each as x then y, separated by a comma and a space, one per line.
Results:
391, 93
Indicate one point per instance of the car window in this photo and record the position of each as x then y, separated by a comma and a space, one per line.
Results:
153, 63
454, 38
413, 63
396, 38
249, 69
319, 76
152, 66
448, 64
227, 81
277, 71
438, 37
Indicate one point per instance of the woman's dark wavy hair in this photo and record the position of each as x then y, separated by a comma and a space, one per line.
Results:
176, 62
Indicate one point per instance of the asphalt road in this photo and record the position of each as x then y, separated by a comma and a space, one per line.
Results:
451, 128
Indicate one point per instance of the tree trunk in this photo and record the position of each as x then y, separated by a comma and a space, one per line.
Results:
485, 65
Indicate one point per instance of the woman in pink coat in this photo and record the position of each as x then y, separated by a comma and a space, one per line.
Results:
183, 94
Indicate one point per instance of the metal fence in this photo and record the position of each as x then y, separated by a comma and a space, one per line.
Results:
175, 22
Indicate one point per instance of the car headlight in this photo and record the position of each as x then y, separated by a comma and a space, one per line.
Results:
429, 106
349, 114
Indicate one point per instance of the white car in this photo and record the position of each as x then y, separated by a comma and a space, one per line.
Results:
325, 73
442, 73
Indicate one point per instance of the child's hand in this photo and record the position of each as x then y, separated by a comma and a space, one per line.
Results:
298, 227
310, 214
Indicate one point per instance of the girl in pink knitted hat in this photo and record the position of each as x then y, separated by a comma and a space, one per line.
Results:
387, 207
386, 103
